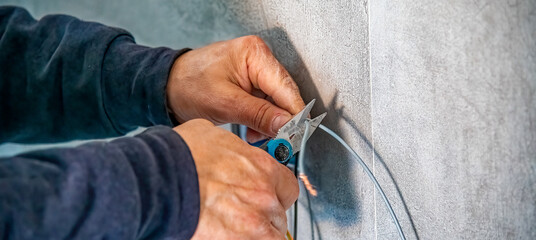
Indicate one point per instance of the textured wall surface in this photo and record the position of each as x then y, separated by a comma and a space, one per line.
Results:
438, 98
454, 114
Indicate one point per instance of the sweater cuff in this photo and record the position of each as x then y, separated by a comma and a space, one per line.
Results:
134, 84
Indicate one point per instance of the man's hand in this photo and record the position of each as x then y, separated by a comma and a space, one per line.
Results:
234, 81
244, 191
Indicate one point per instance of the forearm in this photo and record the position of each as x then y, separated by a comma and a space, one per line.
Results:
137, 187
62, 78
134, 84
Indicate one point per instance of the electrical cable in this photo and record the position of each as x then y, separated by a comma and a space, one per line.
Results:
295, 230
359, 160
367, 170
299, 170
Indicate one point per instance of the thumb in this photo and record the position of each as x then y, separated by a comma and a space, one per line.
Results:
260, 114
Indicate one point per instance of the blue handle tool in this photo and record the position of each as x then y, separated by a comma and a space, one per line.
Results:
286, 143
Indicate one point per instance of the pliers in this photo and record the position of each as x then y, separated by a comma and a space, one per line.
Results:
288, 140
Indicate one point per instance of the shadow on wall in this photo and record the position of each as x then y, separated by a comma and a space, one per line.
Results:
328, 164
337, 199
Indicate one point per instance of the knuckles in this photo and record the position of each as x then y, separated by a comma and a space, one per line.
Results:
254, 42
260, 120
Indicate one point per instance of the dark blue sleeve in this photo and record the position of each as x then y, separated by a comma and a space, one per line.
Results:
142, 187
62, 78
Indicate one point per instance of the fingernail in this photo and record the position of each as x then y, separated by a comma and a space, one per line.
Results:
278, 122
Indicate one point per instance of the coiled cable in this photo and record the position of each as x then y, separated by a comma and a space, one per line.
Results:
360, 161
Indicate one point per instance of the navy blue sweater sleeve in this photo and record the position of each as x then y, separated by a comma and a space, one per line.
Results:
62, 78
125, 189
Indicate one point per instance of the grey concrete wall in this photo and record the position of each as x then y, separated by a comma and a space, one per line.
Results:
454, 114
438, 98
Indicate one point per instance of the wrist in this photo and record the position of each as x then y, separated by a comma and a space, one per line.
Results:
170, 91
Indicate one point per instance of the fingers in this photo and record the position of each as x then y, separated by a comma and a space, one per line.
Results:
286, 184
253, 136
286, 188
279, 220
268, 75
270, 233
275, 233
259, 114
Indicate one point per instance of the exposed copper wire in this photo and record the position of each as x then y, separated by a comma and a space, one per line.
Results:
310, 188
289, 237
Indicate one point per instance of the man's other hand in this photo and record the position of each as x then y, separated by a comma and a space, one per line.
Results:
244, 191
235, 81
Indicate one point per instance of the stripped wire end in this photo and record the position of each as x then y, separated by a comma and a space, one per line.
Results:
289, 237
310, 188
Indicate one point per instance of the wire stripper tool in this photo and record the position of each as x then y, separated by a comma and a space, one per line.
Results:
287, 142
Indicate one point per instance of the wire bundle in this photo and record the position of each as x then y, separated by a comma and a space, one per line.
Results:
311, 189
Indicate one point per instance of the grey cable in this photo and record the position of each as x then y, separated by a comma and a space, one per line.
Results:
371, 176
361, 162
299, 169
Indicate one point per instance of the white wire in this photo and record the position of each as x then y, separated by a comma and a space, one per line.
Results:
361, 162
